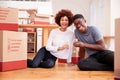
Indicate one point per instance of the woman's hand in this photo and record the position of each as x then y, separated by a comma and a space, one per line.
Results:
65, 46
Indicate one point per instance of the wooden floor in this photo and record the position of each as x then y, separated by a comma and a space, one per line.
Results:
61, 71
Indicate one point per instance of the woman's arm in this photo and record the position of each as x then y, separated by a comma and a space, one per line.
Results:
49, 45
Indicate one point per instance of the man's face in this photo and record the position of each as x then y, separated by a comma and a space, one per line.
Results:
80, 24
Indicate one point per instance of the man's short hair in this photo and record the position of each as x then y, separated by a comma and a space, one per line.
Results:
78, 16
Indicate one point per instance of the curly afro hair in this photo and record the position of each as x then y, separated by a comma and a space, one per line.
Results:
62, 13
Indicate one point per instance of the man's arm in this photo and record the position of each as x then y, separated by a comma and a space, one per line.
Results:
99, 46
81, 53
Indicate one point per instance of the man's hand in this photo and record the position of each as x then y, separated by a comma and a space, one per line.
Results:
79, 44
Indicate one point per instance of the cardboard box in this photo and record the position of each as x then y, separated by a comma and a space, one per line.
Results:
117, 50
42, 21
9, 19
13, 50
39, 18
117, 78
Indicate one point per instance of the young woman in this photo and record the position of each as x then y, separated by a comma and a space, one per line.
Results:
59, 44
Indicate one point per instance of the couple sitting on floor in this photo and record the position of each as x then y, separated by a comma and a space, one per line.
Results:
60, 44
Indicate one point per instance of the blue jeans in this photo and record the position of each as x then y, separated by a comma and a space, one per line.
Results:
100, 61
43, 58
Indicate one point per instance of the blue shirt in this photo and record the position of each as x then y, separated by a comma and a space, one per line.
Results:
91, 37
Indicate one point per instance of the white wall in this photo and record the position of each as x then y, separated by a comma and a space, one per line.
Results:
76, 6
115, 13
100, 15
103, 14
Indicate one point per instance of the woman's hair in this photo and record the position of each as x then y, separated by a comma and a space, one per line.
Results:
62, 13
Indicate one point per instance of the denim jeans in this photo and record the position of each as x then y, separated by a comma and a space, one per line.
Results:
43, 59
100, 61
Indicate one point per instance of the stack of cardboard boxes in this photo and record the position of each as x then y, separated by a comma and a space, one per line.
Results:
13, 44
36, 18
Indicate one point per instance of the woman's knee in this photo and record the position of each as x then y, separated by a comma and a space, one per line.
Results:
50, 64
42, 49
47, 64
31, 64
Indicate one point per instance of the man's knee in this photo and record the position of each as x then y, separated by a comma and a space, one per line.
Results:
81, 65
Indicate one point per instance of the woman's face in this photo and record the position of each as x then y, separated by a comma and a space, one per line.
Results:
64, 22
80, 24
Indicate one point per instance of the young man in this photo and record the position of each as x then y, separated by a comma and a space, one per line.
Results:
91, 40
